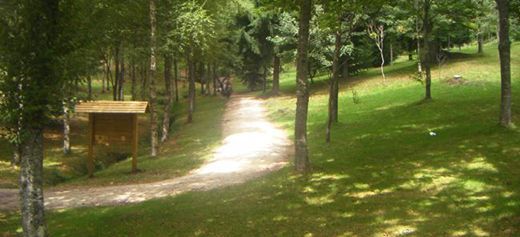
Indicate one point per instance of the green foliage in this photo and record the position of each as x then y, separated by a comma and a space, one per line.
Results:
194, 28
255, 48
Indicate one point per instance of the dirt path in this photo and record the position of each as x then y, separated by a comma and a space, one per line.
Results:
251, 147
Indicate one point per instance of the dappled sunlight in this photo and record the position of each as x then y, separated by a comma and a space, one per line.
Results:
221, 167
251, 147
250, 143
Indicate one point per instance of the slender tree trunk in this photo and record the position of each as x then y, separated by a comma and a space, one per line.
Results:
418, 30
504, 48
381, 48
334, 86
427, 48
121, 83
117, 74
410, 50
191, 88
15, 161
144, 77
302, 163
264, 81
214, 78
169, 94
276, 75
480, 41
31, 183
89, 87
207, 81
103, 80
66, 128
201, 77
133, 78
153, 96
108, 75
176, 78
391, 54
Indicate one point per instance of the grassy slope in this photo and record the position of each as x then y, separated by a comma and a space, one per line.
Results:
189, 145
383, 175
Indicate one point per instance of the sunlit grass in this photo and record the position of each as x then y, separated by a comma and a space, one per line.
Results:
187, 148
382, 175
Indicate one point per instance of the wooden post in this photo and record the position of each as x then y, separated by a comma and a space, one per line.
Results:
91, 135
135, 142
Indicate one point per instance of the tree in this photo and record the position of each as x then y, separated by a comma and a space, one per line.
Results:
153, 69
504, 48
255, 47
377, 33
33, 48
426, 58
194, 32
302, 94
284, 37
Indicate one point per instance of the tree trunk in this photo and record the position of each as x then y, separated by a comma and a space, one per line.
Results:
191, 88
201, 78
417, 29
504, 48
117, 74
391, 54
89, 87
31, 183
302, 163
133, 79
176, 78
153, 96
480, 41
15, 161
214, 78
381, 47
427, 26
276, 75
169, 95
121, 83
264, 81
144, 77
334, 86
66, 128
108, 75
207, 77
410, 50
103, 82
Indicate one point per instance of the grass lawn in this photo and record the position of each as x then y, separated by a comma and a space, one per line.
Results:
382, 175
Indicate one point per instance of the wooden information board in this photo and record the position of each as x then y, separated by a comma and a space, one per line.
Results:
112, 123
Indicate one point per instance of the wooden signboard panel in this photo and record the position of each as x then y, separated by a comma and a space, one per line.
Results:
113, 124
113, 130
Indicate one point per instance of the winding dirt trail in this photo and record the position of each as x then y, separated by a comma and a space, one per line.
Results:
252, 146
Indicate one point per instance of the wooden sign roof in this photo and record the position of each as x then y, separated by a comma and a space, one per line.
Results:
112, 107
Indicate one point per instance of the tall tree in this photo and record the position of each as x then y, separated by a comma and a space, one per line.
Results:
302, 163
168, 63
194, 31
426, 58
504, 48
32, 49
153, 70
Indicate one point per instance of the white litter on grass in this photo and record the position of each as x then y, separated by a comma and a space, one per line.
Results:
433, 134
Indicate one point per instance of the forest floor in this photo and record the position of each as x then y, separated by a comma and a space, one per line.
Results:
251, 146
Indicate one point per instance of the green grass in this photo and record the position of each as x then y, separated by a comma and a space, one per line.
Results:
382, 175
187, 148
